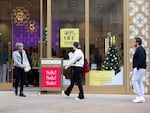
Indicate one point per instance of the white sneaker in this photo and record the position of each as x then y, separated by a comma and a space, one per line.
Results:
142, 99
139, 99
78, 98
63, 94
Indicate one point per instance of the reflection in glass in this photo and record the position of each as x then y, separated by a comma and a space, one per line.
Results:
67, 14
106, 34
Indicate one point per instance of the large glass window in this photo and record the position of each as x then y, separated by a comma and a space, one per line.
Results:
67, 19
106, 42
19, 22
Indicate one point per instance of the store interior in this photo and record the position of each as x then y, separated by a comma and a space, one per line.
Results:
20, 22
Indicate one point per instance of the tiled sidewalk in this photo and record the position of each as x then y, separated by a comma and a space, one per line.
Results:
56, 103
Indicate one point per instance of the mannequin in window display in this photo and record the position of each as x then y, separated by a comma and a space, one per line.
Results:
1, 63
35, 57
97, 58
53, 53
4, 63
92, 56
64, 54
35, 60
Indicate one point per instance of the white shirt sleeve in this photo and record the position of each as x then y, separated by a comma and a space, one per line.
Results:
77, 59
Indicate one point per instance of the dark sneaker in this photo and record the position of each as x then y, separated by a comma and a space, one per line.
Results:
16, 92
22, 95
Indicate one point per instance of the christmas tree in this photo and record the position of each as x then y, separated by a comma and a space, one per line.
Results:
112, 61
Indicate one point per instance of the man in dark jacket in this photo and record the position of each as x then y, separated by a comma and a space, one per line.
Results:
139, 68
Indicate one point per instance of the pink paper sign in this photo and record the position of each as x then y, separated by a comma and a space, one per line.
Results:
51, 77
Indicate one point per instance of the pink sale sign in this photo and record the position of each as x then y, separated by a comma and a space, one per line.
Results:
51, 77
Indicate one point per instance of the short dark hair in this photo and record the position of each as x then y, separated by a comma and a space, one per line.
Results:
76, 44
138, 40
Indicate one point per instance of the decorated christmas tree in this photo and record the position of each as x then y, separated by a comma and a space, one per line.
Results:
112, 61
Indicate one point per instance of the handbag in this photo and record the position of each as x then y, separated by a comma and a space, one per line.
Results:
86, 67
27, 68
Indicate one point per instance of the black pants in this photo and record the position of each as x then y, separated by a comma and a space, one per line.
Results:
19, 77
76, 79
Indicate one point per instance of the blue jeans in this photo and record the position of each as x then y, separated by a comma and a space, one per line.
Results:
1, 72
4, 71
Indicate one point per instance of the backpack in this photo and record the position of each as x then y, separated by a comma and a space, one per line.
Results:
86, 67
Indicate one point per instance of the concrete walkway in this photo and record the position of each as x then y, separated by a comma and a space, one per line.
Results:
56, 103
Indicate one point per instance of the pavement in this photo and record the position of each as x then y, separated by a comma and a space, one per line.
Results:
56, 103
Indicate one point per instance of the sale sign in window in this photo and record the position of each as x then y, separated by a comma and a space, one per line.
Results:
68, 36
51, 77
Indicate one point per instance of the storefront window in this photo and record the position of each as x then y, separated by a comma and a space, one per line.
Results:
19, 22
67, 26
106, 42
